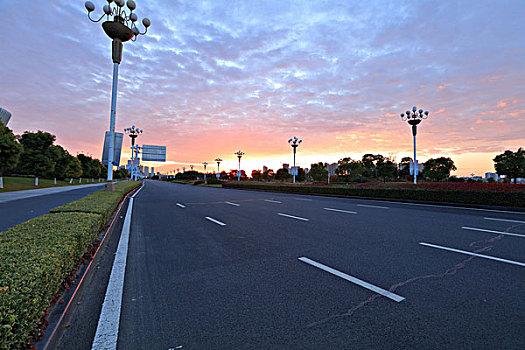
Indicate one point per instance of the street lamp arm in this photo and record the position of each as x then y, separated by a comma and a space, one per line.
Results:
95, 21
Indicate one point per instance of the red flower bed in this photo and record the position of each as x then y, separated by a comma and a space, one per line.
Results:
454, 186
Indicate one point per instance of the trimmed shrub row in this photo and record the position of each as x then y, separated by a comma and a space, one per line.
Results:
100, 202
509, 199
38, 255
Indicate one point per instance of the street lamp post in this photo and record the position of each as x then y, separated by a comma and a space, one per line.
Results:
294, 142
133, 133
137, 149
413, 118
218, 160
120, 27
205, 180
239, 154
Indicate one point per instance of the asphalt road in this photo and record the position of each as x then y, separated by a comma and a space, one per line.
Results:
17, 211
211, 268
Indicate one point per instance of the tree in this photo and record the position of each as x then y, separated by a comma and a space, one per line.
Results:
282, 175
369, 162
386, 168
438, 169
404, 166
301, 175
268, 175
10, 150
257, 175
91, 167
65, 164
511, 164
318, 172
121, 173
38, 157
74, 168
351, 169
343, 166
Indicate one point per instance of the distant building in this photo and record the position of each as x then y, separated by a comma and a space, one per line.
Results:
332, 168
4, 116
146, 170
152, 171
420, 166
494, 176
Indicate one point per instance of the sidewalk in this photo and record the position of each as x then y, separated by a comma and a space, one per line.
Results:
16, 195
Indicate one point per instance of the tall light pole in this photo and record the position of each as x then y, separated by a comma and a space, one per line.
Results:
239, 154
133, 133
120, 27
294, 142
205, 180
218, 160
413, 118
137, 149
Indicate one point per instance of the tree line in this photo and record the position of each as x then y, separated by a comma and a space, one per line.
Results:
378, 167
36, 154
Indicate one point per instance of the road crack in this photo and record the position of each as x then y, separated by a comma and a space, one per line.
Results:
482, 245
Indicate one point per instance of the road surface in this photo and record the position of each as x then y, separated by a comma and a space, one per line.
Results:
19, 206
212, 268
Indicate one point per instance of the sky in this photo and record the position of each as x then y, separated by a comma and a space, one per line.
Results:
212, 77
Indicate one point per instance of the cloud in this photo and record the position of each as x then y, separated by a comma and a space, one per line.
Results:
214, 76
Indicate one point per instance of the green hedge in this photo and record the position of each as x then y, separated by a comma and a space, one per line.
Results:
509, 199
37, 256
100, 202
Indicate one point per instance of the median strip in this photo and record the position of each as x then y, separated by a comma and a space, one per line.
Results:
63, 236
354, 280
293, 217
215, 221
474, 254
341, 211
491, 231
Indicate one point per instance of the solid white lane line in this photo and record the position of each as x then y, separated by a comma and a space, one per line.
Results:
372, 206
355, 280
293, 217
140, 189
235, 204
180, 205
271, 201
106, 335
474, 254
490, 231
506, 220
341, 211
215, 221
303, 199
